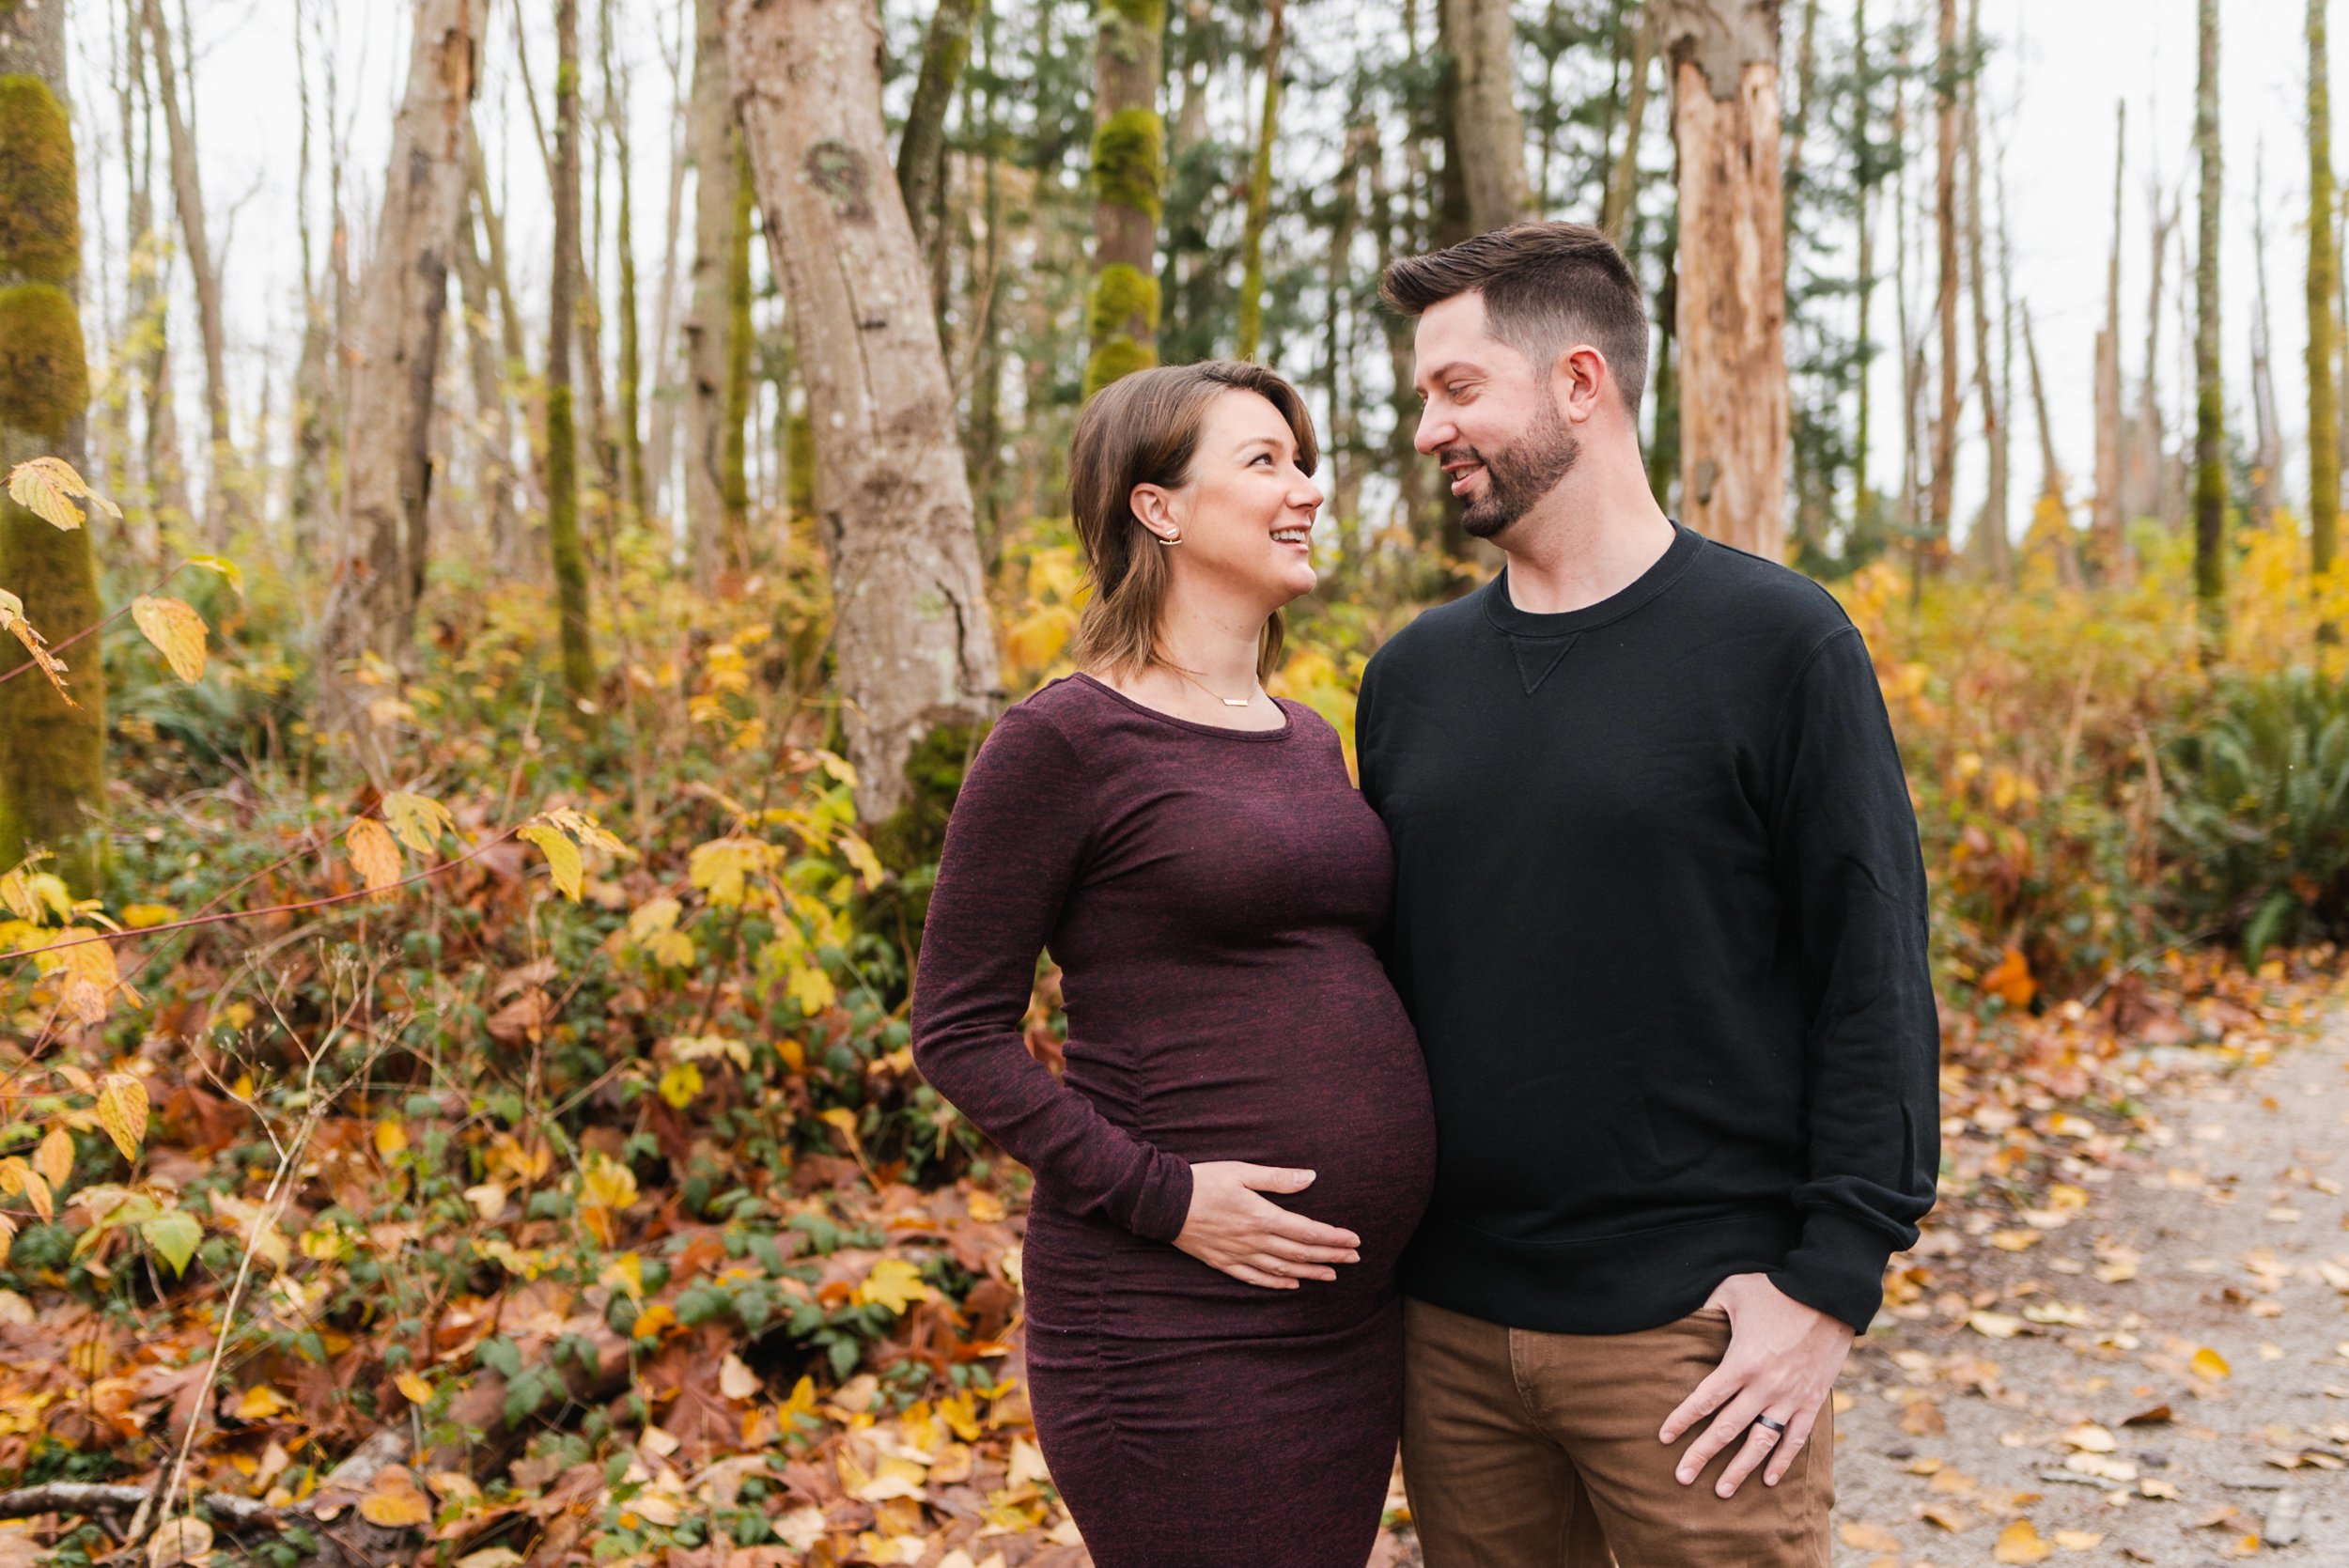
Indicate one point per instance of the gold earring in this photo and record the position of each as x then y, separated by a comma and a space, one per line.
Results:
1174, 538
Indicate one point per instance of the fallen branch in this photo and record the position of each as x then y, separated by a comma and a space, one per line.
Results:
88, 1496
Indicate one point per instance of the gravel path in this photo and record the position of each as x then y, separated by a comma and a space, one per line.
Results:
2201, 1291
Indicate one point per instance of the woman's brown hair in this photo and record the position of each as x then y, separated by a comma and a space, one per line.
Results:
1143, 430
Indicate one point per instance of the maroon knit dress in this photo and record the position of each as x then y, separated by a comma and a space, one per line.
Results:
1211, 897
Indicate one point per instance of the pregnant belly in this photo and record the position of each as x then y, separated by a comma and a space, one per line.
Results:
1345, 1096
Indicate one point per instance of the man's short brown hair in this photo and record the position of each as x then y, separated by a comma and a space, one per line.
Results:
1546, 287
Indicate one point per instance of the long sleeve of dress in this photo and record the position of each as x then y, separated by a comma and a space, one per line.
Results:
1854, 883
1014, 847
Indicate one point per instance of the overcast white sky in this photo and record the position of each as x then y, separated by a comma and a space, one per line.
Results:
2056, 71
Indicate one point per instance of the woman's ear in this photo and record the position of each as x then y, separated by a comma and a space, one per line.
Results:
1155, 507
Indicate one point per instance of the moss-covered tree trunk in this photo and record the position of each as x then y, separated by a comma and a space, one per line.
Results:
710, 140
912, 644
1129, 179
633, 489
1487, 132
734, 473
1260, 189
2322, 280
922, 148
563, 541
2210, 441
52, 755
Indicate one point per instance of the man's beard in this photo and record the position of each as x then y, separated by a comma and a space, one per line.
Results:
1519, 475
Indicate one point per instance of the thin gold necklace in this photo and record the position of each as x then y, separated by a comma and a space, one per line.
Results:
1227, 702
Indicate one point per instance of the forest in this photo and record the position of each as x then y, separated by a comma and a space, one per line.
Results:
504, 566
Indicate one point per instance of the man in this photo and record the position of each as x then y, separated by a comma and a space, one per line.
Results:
1660, 920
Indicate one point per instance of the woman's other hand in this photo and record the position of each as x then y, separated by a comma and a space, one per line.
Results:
1253, 1238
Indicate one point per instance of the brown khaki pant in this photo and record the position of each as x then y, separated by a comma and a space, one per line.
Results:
1526, 1450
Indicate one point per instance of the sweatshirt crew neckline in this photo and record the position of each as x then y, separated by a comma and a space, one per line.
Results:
1505, 616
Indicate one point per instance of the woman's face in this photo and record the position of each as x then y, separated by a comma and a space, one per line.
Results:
1246, 509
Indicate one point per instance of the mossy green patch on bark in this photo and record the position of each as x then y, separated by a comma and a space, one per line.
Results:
40, 215
1125, 301
563, 542
1129, 159
52, 763
44, 373
910, 840
1118, 357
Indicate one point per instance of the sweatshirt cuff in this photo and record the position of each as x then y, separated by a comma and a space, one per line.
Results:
1163, 1205
1837, 1268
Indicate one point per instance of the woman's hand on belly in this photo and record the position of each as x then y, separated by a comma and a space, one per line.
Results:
1253, 1239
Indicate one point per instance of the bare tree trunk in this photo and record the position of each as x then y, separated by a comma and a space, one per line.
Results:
1863, 127
188, 196
2267, 449
1129, 180
1260, 188
1732, 270
2210, 453
53, 751
568, 557
661, 445
2324, 329
922, 147
914, 647
1945, 123
2108, 547
711, 135
378, 570
1623, 179
1479, 41
1991, 527
631, 369
493, 410
149, 298
2144, 486
2052, 514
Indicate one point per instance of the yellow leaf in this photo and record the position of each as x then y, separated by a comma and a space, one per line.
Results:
893, 1284
720, 866
18, 1177
680, 1082
412, 1389
396, 1504
813, 989
862, 856
488, 1200
2080, 1540
844, 1120
1868, 1538
985, 1207
185, 1539
562, 862
229, 570
122, 1111
491, 1557
138, 917
605, 1183
417, 820
1997, 1326
390, 1137
261, 1402
13, 621
49, 486
177, 631
2019, 1542
373, 854
54, 1160
2209, 1363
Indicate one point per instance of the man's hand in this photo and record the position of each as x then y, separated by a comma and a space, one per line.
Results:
1782, 1359
1253, 1238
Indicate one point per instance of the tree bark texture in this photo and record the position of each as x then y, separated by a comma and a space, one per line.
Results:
2108, 548
379, 571
567, 554
2210, 452
912, 640
631, 367
53, 754
1945, 124
1619, 205
2267, 445
1478, 40
922, 145
1260, 189
2324, 329
1991, 543
710, 137
1128, 183
1732, 270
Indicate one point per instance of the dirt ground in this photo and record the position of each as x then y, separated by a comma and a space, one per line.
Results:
2109, 1426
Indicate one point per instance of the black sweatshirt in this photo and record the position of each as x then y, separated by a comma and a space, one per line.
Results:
1660, 920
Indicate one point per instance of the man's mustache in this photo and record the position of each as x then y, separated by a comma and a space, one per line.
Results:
1447, 456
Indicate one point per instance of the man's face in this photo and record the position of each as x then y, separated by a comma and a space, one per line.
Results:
1489, 417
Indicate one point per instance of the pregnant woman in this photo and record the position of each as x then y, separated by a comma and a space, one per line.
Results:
1242, 1141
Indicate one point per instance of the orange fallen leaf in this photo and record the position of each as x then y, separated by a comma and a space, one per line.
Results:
2020, 1543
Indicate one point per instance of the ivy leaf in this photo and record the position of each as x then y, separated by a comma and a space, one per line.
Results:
174, 1234
177, 631
373, 854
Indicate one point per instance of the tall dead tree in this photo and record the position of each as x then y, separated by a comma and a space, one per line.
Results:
711, 139
2267, 445
53, 751
914, 647
1487, 132
2108, 548
631, 371
567, 554
2210, 437
1990, 540
187, 186
1731, 269
1945, 125
379, 570
2324, 329
1623, 177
